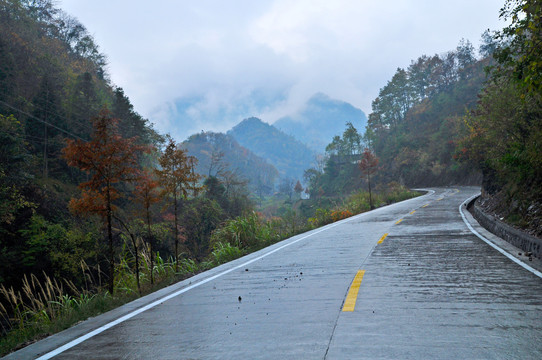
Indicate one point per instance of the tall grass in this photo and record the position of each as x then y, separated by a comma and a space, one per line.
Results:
45, 305
42, 306
224, 252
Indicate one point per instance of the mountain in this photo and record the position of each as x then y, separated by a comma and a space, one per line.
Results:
320, 120
236, 158
287, 154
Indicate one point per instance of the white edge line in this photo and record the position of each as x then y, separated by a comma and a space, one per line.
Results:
101, 329
505, 253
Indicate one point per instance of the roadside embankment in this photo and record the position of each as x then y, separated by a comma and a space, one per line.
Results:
531, 245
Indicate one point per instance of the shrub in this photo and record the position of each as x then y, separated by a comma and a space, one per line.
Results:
243, 232
340, 214
225, 252
321, 217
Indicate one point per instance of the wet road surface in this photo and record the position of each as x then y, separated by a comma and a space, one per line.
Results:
430, 289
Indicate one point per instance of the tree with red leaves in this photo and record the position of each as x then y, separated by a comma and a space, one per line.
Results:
110, 160
368, 166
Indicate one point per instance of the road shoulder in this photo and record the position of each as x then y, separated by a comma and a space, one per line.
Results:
508, 249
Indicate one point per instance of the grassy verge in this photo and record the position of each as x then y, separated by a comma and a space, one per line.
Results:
45, 306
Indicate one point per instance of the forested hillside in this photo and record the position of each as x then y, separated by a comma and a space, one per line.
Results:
52, 81
221, 156
418, 117
416, 122
95, 205
503, 134
287, 154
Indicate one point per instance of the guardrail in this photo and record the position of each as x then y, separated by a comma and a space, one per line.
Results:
525, 242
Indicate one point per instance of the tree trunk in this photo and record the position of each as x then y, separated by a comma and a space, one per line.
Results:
149, 234
45, 165
136, 250
110, 238
176, 231
370, 194
134, 242
46, 139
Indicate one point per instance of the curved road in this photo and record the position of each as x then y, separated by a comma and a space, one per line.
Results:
429, 288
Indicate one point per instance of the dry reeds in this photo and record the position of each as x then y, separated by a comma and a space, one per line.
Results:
36, 302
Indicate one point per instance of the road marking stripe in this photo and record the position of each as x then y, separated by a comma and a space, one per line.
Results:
412, 212
350, 302
505, 253
426, 205
398, 221
439, 199
382, 238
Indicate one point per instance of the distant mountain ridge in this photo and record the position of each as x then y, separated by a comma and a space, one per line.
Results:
320, 120
290, 145
288, 155
237, 158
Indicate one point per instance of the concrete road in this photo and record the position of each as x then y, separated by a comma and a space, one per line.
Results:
427, 289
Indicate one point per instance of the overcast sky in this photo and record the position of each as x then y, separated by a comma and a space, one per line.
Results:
265, 58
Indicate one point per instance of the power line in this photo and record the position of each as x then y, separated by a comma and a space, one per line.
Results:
23, 136
43, 121
81, 123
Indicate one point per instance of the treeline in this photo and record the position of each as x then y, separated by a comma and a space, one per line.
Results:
503, 134
415, 125
417, 118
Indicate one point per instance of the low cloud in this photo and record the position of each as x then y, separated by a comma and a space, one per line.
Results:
266, 58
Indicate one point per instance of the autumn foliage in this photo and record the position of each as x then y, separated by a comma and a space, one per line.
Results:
340, 214
368, 166
109, 160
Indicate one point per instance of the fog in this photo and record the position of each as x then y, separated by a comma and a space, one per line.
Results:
206, 65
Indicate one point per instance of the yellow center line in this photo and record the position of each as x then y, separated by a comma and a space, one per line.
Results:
398, 221
382, 238
352, 296
439, 199
426, 205
412, 212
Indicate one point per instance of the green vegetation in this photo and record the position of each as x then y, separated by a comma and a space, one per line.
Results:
417, 118
504, 131
455, 119
44, 305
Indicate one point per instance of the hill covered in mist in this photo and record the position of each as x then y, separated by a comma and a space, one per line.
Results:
288, 155
319, 120
218, 153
